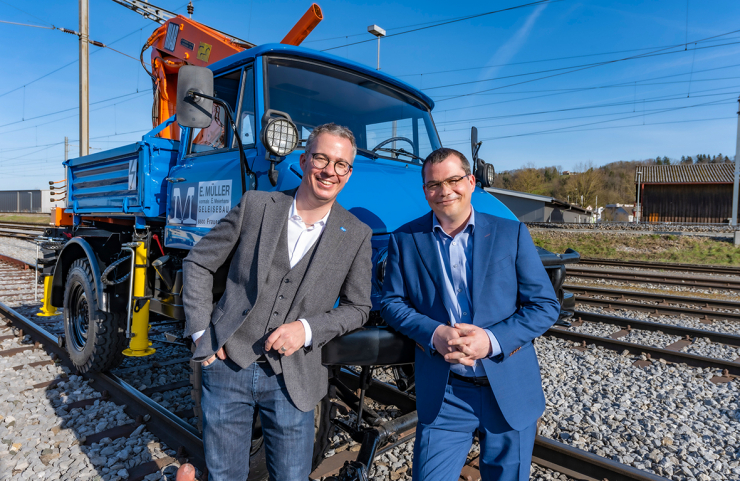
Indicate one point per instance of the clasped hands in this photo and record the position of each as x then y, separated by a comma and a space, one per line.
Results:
462, 344
285, 340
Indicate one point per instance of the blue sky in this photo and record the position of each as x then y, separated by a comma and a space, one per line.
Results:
544, 84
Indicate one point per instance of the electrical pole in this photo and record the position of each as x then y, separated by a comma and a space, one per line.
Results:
84, 79
736, 181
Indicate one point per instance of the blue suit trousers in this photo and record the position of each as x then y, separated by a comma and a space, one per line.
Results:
442, 446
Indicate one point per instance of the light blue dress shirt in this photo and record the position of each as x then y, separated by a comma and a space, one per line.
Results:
456, 257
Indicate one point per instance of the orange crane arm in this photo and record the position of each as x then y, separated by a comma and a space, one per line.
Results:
182, 41
305, 25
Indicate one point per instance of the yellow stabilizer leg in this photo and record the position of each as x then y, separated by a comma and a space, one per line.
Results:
140, 346
47, 310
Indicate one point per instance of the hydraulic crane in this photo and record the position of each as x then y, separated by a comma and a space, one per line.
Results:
183, 41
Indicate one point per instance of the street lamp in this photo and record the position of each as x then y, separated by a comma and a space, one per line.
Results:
378, 32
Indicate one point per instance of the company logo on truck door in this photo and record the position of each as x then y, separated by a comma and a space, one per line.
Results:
199, 204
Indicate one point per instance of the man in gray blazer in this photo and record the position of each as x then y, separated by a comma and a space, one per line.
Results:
294, 254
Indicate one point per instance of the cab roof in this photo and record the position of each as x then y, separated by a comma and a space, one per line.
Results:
248, 55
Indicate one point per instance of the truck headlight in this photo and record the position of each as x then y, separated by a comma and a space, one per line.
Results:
280, 136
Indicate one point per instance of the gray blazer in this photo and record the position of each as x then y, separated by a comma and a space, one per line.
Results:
341, 268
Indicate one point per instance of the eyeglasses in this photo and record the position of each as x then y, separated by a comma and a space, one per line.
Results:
434, 186
320, 161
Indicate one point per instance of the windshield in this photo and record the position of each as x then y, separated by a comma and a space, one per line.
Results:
315, 94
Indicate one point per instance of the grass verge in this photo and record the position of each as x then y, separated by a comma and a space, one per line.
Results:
644, 247
33, 218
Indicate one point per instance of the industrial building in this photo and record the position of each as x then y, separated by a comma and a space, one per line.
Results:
692, 193
31, 201
540, 208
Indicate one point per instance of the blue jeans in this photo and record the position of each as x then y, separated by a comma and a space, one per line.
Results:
442, 446
230, 396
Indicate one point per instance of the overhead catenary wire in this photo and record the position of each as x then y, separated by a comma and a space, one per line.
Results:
554, 59
467, 140
554, 92
76, 60
66, 110
142, 94
557, 119
448, 22
27, 13
576, 68
641, 114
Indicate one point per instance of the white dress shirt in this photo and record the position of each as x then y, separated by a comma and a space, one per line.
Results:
301, 238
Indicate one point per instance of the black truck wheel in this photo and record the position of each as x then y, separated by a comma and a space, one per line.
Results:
93, 340
257, 461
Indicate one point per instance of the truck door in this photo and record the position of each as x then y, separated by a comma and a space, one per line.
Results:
206, 184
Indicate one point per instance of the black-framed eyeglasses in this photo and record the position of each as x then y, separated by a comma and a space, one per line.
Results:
320, 161
434, 186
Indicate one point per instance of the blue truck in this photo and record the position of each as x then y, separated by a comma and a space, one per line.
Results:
137, 210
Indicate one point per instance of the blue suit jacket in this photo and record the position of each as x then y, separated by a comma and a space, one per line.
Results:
512, 296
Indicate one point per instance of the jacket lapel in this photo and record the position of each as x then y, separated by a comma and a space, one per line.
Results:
327, 247
427, 247
273, 220
483, 238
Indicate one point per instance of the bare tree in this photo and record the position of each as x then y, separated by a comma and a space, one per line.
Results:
587, 183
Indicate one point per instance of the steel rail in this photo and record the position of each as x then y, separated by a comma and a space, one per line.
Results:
169, 428
175, 433
673, 280
579, 464
655, 352
729, 339
663, 300
665, 266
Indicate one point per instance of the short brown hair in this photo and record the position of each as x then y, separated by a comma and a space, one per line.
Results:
334, 129
440, 155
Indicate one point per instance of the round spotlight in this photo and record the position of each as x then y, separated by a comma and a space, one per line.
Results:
490, 174
280, 137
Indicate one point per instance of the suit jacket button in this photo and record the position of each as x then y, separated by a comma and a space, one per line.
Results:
246, 311
287, 281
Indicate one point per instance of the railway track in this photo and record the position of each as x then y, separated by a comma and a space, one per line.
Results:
685, 280
707, 310
663, 266
670, 353
20, 230
177, 433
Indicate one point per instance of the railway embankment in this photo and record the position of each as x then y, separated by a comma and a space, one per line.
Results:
710, 246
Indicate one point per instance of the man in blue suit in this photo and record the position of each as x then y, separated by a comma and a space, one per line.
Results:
471, 290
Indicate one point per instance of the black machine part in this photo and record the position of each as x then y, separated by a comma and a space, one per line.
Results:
484, 172
94, 339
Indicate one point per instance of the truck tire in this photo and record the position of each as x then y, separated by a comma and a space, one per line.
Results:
93, 340
323, 428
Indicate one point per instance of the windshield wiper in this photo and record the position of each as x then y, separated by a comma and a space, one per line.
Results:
367, 153
401, 151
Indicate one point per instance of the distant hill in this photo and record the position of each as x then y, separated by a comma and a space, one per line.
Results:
611, 183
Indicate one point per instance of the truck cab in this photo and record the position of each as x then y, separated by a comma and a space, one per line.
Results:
152, 201
391, 120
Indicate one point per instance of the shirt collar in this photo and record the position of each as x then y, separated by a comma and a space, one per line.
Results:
293, 215
471, 223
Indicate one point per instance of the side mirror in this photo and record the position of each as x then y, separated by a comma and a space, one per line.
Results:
194, 112
474, 144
